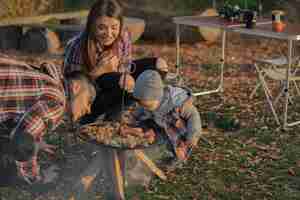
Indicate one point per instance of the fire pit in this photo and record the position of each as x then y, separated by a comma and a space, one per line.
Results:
115, 135
114, 140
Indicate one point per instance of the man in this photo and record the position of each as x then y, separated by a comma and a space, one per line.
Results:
33, 102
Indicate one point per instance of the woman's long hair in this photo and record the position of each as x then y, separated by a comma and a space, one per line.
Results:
109, 8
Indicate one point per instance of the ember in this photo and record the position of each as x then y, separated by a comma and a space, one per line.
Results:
113, 134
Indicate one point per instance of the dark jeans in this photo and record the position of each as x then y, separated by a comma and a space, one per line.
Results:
109, 94
7, 165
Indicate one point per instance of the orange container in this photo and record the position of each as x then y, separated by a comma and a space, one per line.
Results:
278, 20
278, 26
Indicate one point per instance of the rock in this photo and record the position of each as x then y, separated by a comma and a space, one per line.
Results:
9, 37
160, 26
39, 40
210, 35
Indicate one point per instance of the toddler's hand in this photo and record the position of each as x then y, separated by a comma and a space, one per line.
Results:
127, 82
181, 151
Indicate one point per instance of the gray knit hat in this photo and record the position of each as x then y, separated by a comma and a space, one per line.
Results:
148, 86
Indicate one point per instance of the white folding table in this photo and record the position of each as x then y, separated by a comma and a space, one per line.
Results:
212, 22
290, 34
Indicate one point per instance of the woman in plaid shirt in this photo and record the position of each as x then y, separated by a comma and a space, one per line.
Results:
103, 51
33, 102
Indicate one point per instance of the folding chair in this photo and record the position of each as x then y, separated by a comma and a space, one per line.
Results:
273, 71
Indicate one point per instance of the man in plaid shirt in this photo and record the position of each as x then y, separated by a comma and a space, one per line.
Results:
33, 102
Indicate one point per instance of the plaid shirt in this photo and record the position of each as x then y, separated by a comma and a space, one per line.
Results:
73, 58
35, 100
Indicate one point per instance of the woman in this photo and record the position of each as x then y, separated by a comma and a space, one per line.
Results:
103, 51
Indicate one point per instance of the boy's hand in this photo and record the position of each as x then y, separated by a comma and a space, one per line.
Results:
181, 151
127, 82
150, 135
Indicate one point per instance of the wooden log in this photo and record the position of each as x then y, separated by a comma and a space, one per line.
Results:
150, 164
42, 18
135, 26
210, 35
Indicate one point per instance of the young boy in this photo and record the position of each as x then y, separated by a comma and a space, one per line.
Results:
172, 109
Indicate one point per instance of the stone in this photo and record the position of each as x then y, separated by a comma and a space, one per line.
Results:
39, 40
9, 37
210, 35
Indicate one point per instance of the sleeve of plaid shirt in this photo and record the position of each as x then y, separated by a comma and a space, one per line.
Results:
43, 116
47, 112
55, 71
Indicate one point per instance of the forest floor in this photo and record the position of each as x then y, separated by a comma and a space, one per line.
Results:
244, 154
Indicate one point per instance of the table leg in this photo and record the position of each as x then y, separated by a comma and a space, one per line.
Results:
286, 91
222, 60
177, 76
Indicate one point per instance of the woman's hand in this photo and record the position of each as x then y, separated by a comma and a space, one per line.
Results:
181, 151
128, 83
105, 66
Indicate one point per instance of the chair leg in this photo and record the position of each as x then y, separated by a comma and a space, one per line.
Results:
270, 103
297, 88
260, 78
255, 89
279, 96
267, 93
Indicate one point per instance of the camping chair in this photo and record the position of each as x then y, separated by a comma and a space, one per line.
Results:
273, 71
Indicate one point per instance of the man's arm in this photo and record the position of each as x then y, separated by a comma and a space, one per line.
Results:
43, 116
53, 70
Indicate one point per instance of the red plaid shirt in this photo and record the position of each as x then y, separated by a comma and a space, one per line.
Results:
35, 100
